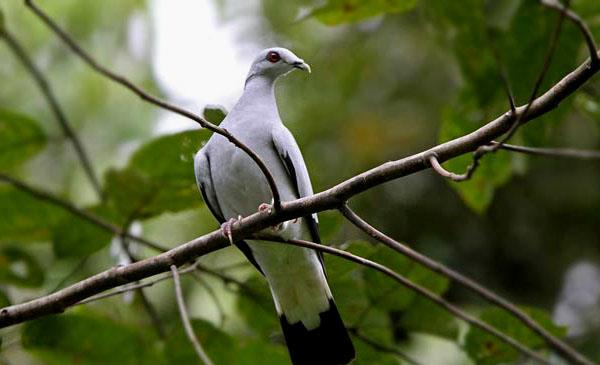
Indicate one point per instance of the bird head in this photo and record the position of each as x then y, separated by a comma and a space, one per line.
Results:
275, 62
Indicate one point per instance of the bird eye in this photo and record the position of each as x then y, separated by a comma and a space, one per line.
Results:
273, 57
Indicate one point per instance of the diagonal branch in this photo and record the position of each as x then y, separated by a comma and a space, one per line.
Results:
331, 198
454, 310
558, 345
186, 319
122, 80
520, 117
55, 107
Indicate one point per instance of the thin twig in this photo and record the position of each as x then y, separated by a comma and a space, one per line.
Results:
437, 167
88, 216
70, 274
517, 117
129, 287
552, 152
503, 74
555, 343
55, 107
186, 320
583, 27
122, 80
382, 348
454, 310
330, 198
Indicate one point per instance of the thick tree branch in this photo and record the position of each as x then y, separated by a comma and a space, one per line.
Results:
87, 58
55, 107
329, 199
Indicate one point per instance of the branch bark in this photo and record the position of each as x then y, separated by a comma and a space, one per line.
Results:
331, 198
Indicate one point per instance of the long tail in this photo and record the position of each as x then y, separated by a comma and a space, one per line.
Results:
328, 344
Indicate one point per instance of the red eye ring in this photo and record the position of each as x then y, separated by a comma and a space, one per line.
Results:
273, 57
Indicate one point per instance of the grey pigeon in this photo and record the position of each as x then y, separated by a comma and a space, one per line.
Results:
232, 185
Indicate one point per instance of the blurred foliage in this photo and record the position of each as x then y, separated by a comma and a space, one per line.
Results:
390, 79
487, 349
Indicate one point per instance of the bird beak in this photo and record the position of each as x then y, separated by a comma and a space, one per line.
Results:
301, 66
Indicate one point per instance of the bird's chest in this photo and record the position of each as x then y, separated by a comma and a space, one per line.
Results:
240, 184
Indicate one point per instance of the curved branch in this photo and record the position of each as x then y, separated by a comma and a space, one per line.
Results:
558, 345
454, 310
122, 80
329, 199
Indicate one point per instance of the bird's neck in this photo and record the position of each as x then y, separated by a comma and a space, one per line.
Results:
259, 96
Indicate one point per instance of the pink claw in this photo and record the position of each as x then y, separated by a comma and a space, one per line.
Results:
265, 207
226, 229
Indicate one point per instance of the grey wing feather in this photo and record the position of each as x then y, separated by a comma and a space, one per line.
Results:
206, 187
205, 184
290, 155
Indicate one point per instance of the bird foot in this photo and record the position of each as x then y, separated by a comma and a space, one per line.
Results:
264, 207
227, 227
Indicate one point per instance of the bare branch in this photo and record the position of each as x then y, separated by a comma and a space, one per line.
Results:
55, 107
552, 152
518, 118
122, 80
186, 320
331, 198
454, 310
129, 287
554, 342
90, 217
437, 167
576, 19
503, 73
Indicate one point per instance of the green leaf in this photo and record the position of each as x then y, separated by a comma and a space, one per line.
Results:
4, 300
87, 339
347, 282
411, 312
219, 346
464, 25
500, 13
214, 113
18, 267
158, 178
256, 307
76, 237
494, 169
20, 138
486, 349
2, 22
347, 11
25, 218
